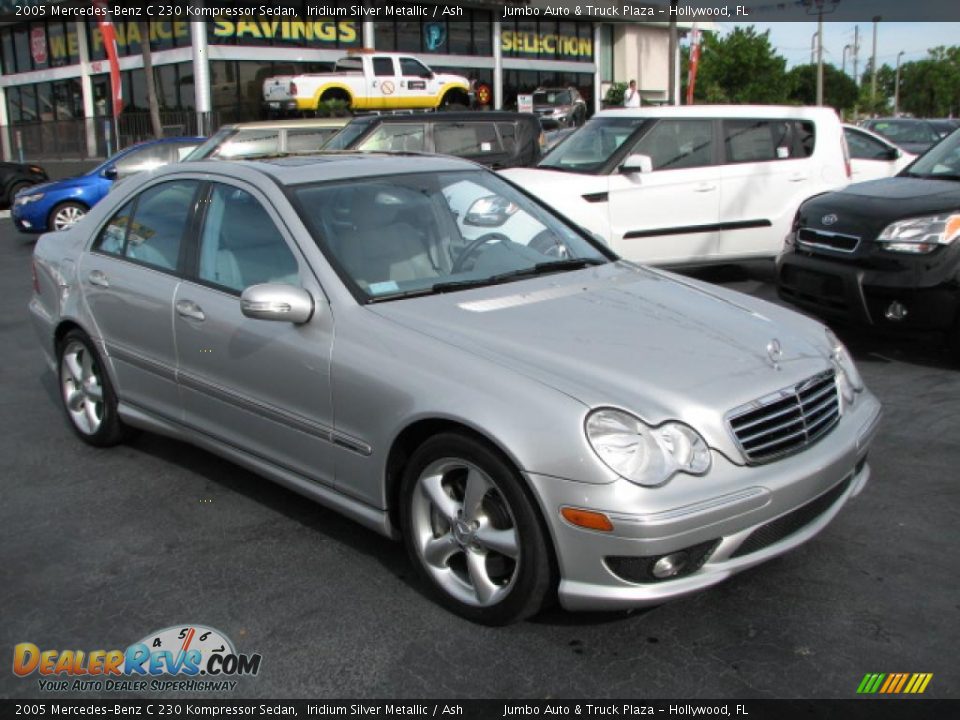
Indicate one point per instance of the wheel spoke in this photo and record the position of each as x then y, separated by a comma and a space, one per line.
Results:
438, 551
74, 399
73, 367
477, 488
93, 389
86, 364
90, 410
504, 542
483, 586
445, 505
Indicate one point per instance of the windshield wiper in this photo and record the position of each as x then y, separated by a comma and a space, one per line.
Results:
538, 269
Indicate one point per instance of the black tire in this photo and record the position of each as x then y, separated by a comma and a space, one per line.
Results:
14, 189
111, 429
532, 578
65, 208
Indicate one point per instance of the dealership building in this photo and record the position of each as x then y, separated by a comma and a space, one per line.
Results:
55, 98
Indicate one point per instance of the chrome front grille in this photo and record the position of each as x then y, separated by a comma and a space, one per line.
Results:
826, 240
788, 420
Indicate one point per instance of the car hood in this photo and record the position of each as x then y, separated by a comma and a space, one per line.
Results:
660, 346
62, 184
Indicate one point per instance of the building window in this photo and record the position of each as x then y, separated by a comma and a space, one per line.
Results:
472, 36
21, 48
6, 42
606, 54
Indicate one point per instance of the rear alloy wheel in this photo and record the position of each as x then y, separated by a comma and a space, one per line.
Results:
88, 397
472, 532
66, 214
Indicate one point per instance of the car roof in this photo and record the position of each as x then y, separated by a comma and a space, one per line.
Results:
298, 169
460, 116
289, 123
720, 111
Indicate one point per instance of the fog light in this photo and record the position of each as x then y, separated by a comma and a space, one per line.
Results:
669, 565
895, 311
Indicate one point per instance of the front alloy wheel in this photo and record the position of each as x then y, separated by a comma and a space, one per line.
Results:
473, 533
67, 215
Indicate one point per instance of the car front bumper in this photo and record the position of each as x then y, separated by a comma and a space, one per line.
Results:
927, 288
779, 506
29, 218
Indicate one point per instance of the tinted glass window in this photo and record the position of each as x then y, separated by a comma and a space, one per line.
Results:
412, 68
593, 145
146, 158
864, 147
394, 138
382, 67
240, 245
466, 138
678, 144
757, 140
159, 221
308, 141
906, 131
806, 139
114, 233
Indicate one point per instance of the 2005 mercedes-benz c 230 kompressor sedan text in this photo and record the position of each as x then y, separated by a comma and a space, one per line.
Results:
532, 415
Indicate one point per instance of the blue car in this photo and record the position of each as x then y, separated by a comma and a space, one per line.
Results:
58, 205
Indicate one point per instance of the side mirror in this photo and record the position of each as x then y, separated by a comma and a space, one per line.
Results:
893, 153
637, 163
110, 172
489, 211
275, 301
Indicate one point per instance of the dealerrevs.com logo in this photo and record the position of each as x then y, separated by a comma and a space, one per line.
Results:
185, 658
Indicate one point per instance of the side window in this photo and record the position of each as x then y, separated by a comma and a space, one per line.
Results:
383, 67
394, 138
240, 245
160, 218
144, 159
864, 147
114, 233
806, 138
413, 68
466, 138
678, 144
757, 140
248, 143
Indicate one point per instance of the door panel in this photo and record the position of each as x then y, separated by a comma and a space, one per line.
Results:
417, 86
669, 215
259, 385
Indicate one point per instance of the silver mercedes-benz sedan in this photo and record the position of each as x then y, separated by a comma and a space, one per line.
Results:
422, 346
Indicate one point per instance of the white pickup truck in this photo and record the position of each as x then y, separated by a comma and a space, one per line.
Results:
378, 81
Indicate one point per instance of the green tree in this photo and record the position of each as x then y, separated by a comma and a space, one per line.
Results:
741, 67
931, 87
839, 89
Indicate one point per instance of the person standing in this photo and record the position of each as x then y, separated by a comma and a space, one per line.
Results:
631, 98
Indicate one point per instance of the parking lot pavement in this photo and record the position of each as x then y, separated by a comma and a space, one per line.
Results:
99, 548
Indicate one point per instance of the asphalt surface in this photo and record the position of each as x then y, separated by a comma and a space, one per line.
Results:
99, 548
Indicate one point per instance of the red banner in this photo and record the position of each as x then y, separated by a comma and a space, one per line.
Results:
694, 61
109, 35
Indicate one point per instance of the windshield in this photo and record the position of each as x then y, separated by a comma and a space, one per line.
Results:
941, 160
420, 234
591, 147
558, 97
236, 144
344, 139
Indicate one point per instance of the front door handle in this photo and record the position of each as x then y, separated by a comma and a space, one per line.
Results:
704, 187
189, 309
97, 277
797, 178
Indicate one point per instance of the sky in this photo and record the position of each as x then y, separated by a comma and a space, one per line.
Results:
793, 40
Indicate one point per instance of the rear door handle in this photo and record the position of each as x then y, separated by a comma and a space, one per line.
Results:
189, 309
97, 277
797, 178
704, 187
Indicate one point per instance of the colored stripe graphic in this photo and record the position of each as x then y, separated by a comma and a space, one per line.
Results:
894, 683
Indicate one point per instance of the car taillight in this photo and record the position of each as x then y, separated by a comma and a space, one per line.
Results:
33, 272
293, 88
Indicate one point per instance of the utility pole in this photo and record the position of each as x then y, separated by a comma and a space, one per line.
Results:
856, 54
820, 57
813, 47
673, 53
896, 87
873, 62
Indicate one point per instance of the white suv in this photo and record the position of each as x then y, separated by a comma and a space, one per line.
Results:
693, 184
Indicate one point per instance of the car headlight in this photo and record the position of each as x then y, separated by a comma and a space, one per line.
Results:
848, 377
24, 199
642, 454
920, 235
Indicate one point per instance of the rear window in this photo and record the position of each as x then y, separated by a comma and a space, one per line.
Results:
748, 140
